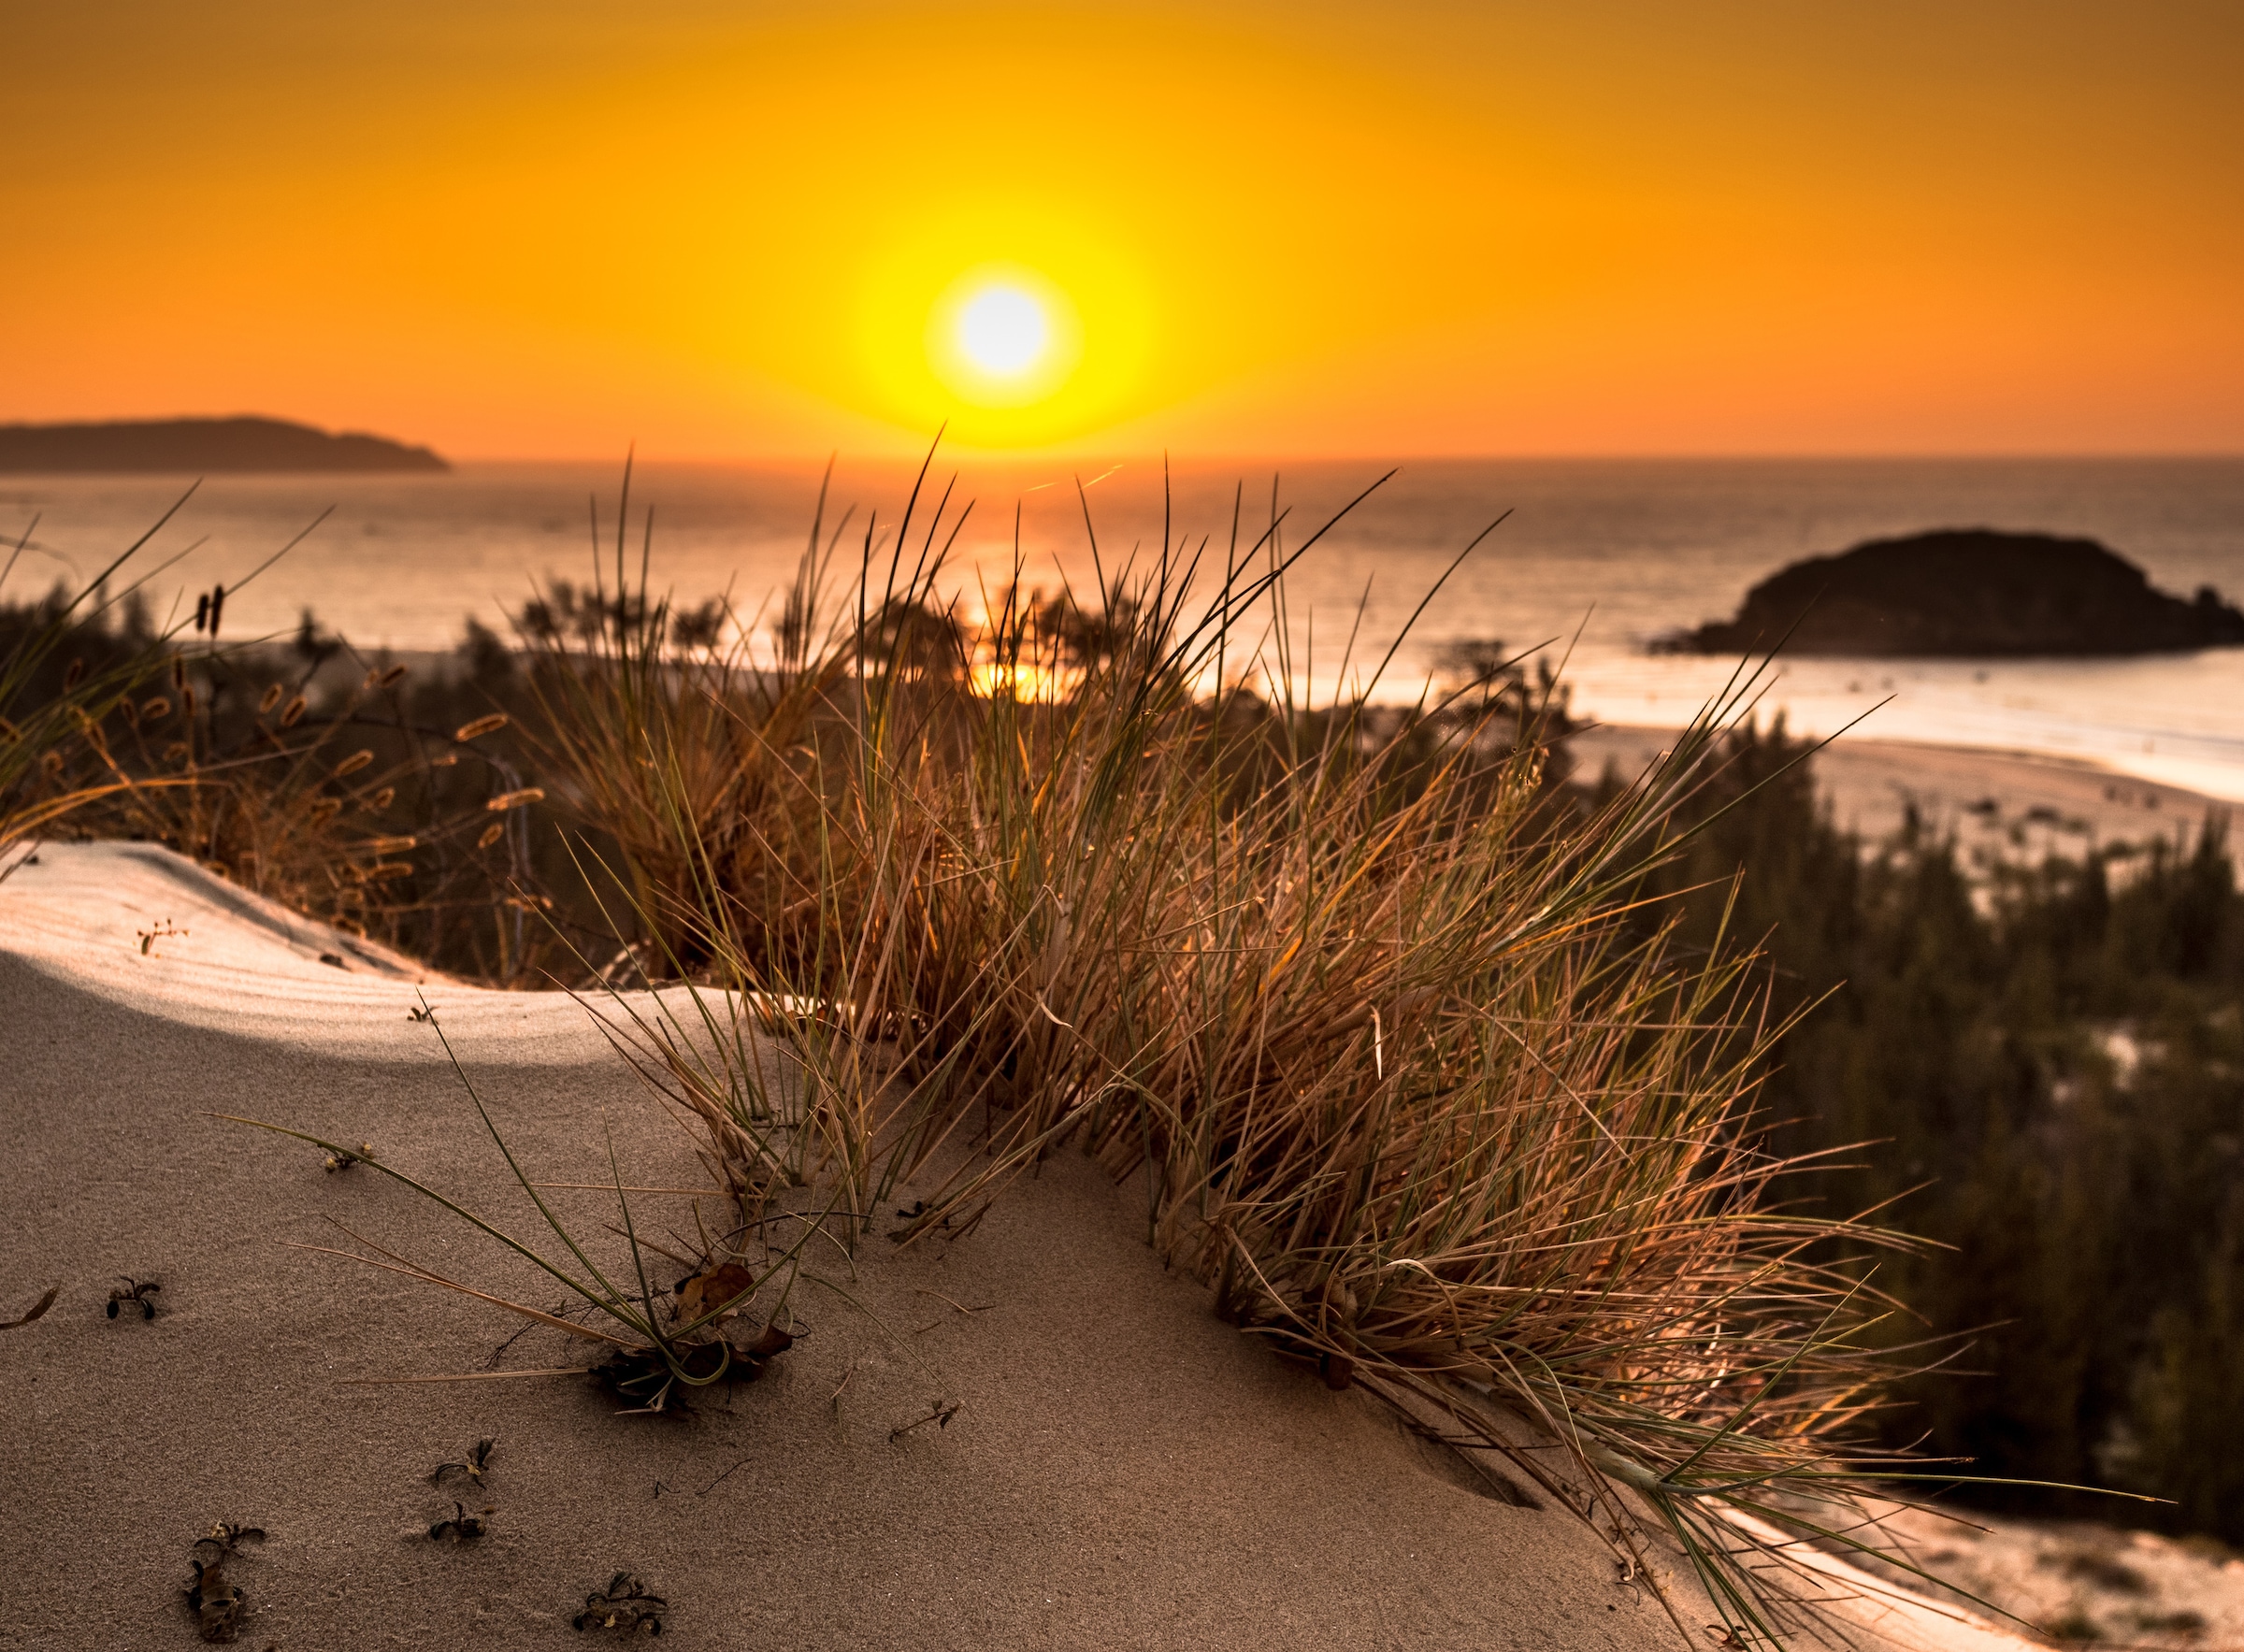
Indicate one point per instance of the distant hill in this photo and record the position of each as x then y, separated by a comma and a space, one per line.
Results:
202, 446
1969, 592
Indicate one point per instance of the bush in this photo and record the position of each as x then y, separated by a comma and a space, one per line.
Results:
2041, 1067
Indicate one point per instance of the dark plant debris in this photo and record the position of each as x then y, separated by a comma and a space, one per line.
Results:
344, 1158
38, 1308
166, 930
216, 1603
476, 1460
137, 1293
625, 1605
938, 1413
645, 1376
461, 1525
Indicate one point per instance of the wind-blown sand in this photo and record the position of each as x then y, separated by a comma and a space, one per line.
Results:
1125, 1470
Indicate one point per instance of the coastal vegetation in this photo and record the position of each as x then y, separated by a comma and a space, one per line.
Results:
300, 772
2039, 1066
1350, 991
1495, 1093
67, 662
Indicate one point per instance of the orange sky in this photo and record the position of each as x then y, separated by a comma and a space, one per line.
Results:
1316, 229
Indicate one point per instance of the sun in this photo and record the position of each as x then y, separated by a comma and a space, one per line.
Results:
1003, 337
1002, 330
1006, 322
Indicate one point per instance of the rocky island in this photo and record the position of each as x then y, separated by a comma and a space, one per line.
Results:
1969, 592
202, 446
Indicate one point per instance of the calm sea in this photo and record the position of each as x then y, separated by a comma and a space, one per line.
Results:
1595, 559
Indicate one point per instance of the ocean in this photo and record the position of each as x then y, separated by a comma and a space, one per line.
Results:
1594, 560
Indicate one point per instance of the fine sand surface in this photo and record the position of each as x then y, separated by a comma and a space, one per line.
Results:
1124, 1470
2006, 803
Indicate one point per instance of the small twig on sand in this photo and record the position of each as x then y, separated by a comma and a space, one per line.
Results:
492, 1363
978, 1308
720, 1479
939, 1413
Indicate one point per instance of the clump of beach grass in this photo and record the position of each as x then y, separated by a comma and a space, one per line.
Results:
1361, 1000
1347, 989
42, 717
350, 813
676, 745
343, 805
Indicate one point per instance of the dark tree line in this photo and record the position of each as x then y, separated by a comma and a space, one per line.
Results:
2048, 1062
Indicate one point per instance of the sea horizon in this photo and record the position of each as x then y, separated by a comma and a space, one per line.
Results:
1594, 560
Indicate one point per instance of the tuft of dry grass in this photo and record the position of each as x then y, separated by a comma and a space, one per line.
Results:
668, 742
344, 803
348, 811
1346, 987
1352, 990
41, 713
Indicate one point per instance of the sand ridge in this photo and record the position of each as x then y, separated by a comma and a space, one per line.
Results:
136, 924
1124, 1470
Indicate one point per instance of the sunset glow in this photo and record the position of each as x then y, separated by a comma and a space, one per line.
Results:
1435, 230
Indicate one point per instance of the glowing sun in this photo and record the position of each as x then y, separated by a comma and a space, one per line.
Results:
1004, 337
1002, 330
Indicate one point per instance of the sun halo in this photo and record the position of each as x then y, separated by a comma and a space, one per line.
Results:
1004, 337
925, 367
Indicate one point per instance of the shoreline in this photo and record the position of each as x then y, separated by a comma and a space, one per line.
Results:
2008, 803
2012, 803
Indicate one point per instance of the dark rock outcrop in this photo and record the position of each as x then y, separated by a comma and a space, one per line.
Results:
203, 447
1970, 591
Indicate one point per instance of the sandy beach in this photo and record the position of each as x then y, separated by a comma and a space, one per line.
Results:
1122, 1469
2015, 805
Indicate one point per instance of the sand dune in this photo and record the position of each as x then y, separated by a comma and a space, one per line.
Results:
1122, 1470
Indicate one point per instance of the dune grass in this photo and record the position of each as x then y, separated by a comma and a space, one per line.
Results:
343, 801
956, 878
40, 715
1359, 999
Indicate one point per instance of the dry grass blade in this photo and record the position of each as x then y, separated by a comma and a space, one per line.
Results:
37, 1309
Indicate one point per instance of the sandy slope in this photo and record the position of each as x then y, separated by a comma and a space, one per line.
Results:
1125, 1471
